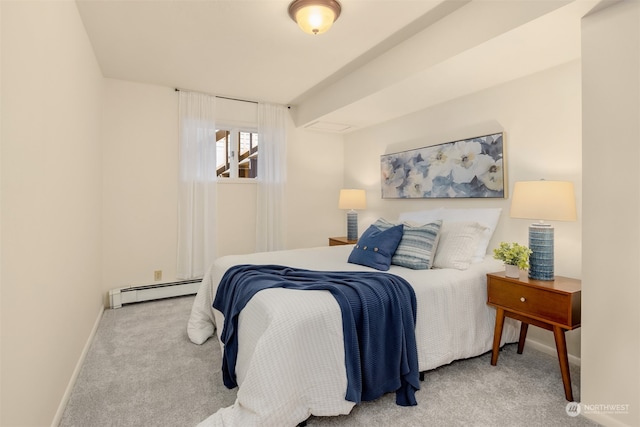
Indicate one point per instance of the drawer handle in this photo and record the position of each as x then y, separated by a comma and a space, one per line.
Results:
523, 299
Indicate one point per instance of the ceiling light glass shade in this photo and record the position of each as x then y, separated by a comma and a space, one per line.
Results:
314, 16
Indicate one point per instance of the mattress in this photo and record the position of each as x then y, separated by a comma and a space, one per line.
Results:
291, 352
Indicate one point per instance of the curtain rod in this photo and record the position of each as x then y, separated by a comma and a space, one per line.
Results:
224, 97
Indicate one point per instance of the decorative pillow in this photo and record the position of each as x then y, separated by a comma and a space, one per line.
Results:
486, 216
457, 244
417, 246
376, 247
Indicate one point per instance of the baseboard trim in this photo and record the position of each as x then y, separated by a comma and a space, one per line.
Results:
76, 371
551, 350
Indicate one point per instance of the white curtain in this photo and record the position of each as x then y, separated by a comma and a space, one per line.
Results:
197, 185
272, 174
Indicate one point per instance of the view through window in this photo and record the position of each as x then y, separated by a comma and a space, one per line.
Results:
236, 153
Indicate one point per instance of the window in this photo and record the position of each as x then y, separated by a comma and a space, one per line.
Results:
236, 153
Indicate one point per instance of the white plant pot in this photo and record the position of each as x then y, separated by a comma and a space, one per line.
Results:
511, 271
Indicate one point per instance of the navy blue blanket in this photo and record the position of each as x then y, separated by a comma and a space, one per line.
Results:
378, 318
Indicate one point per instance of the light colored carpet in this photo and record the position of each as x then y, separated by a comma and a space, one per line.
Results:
142, 370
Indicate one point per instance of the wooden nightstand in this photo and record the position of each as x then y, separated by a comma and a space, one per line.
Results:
552, 305
336, 241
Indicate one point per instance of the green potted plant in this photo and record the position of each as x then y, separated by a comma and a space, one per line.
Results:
514, 256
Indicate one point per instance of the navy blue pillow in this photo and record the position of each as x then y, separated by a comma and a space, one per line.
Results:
376, 247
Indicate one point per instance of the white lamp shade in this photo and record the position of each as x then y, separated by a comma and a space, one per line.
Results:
544, 200
352, 199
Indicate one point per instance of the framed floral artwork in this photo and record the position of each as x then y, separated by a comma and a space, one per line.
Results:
469, 168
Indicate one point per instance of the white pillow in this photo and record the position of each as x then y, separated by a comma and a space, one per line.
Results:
485, 216
421, 217
457, 244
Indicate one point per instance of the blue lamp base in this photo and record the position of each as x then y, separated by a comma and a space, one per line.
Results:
352, 225
541, 245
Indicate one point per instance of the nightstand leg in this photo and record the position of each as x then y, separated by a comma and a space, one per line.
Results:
497, 336
561, 346
523, 336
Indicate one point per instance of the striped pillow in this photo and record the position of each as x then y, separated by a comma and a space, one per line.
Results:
417, 246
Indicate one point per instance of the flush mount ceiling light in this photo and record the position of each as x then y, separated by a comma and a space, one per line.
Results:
314, 16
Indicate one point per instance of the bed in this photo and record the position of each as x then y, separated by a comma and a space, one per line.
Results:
290, 362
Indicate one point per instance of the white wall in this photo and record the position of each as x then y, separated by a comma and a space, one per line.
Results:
315, 177
51, 205
611, 147
540, 116
140, 185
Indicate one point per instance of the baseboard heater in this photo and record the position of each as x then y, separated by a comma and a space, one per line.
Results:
132, 294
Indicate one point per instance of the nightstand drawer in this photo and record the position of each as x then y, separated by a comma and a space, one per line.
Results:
556, 301
531, 302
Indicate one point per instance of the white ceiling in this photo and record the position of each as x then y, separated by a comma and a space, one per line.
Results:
382, 58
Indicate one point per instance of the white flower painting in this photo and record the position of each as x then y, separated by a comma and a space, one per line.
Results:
469, 168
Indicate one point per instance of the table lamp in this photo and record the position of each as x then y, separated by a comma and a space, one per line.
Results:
544, 201
352, 199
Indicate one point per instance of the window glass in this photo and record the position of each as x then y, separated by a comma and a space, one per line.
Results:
236, 153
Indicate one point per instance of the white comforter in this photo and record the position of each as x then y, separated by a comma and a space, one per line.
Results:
291, 351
